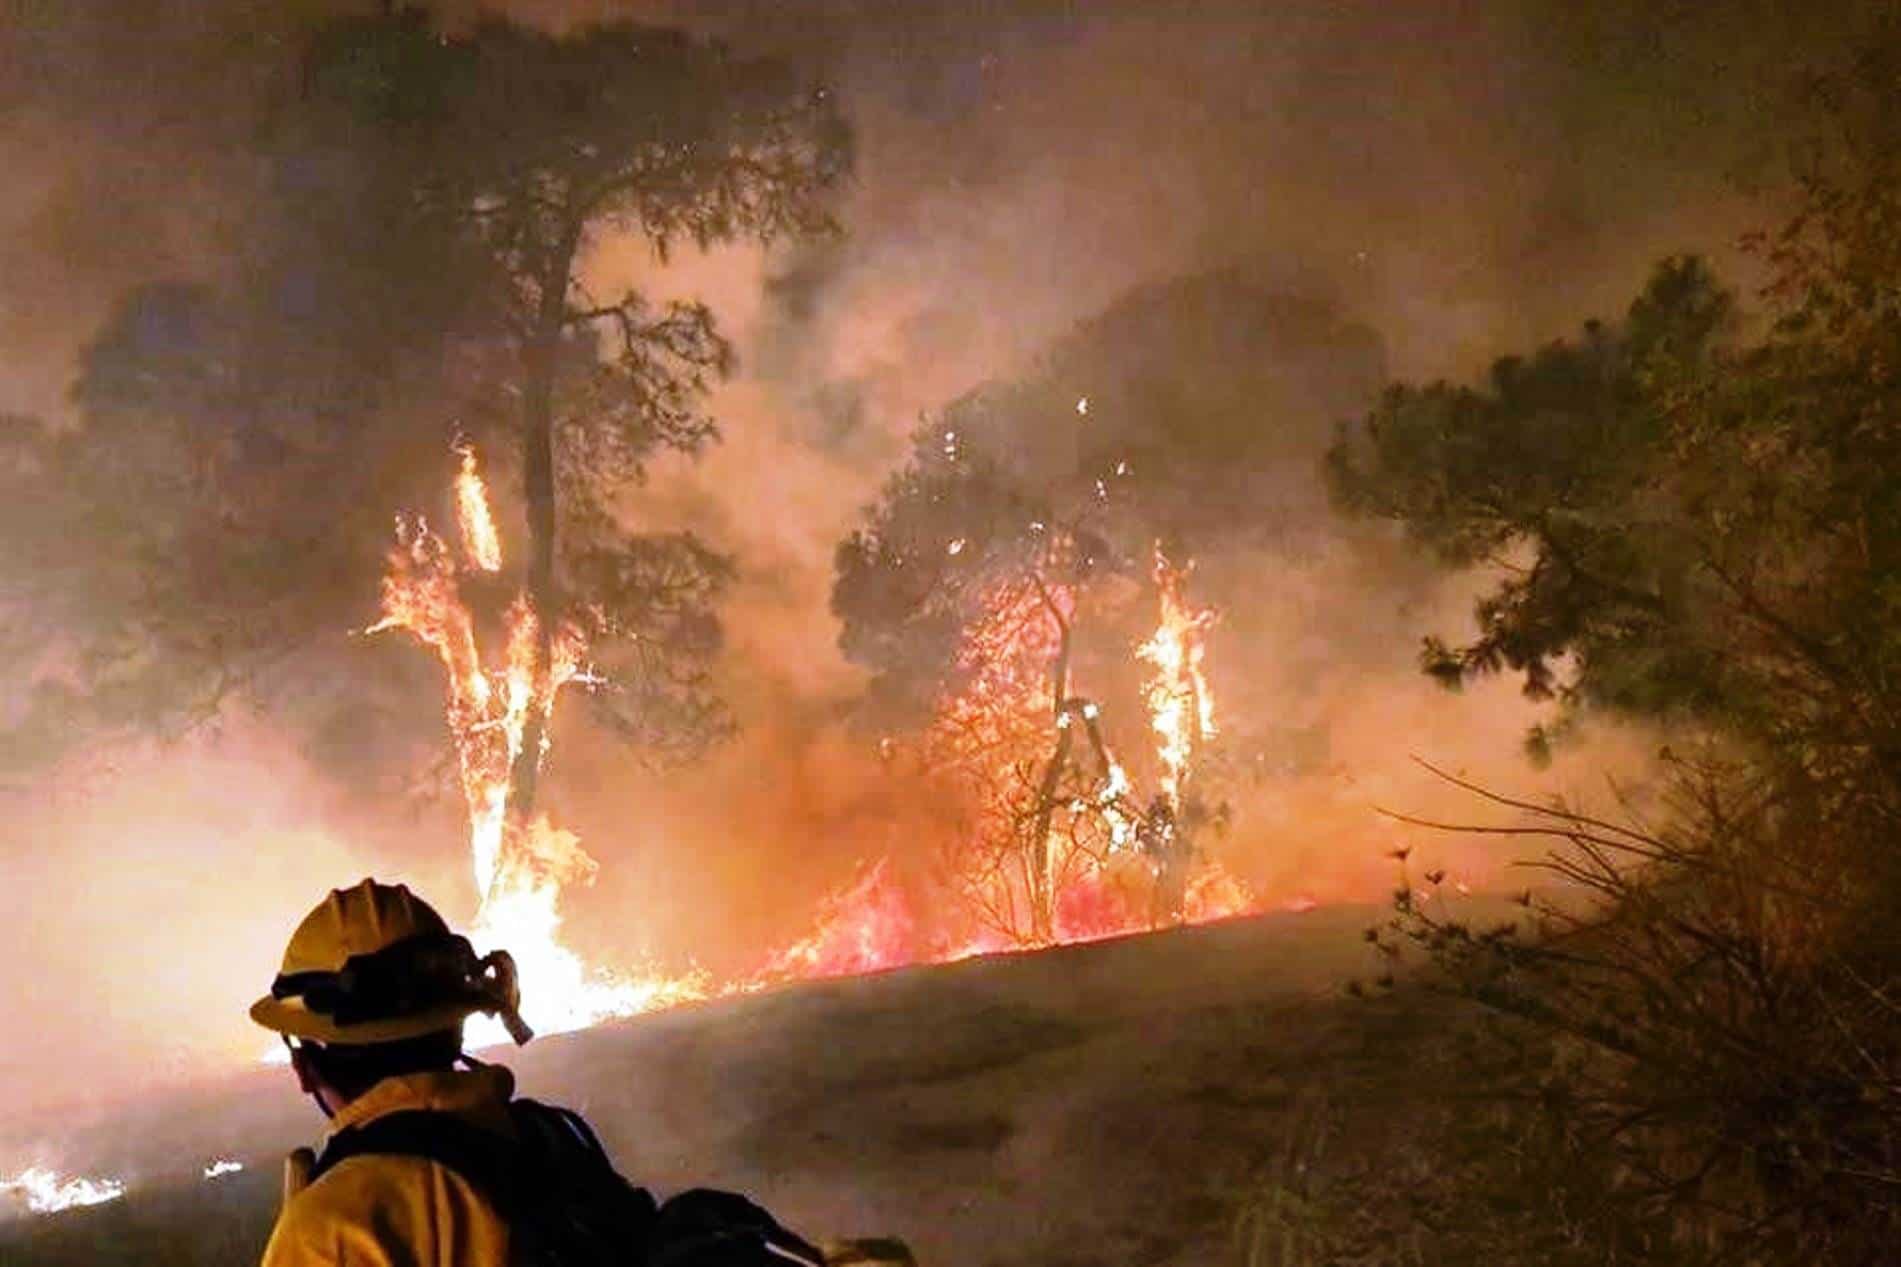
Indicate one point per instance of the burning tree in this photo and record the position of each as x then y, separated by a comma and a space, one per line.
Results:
1001, 586
1182, 714
1053, 836
1057, 834
431, 197
534, 147
445, 597
1035, 810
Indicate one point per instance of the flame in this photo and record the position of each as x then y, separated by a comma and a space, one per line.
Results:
1112, 799
520, 868
1010, 703
521, 913
866, 927
479, 535
1111, 866
45, 1192
222, 1166
1181, 706
1216, 893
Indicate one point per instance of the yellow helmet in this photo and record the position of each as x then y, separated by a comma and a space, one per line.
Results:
374, 964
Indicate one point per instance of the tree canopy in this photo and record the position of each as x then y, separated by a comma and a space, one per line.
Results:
1695, 521
1695, 517
1185, 414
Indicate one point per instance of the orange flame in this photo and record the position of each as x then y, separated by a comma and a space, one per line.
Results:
866, 927
479, 535
987, 742
1006, 709
1181, 707
977, 746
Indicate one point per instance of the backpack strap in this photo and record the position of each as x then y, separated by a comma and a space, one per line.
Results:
490, 1162
554, 1161
550, 1130
557, 1159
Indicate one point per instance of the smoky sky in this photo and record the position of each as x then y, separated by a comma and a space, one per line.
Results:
1462, 179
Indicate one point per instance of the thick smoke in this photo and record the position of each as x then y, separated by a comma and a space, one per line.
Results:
1461, 183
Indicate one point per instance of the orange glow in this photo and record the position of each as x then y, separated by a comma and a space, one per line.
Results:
866, 927
1052, 846
1216, 893
999, 745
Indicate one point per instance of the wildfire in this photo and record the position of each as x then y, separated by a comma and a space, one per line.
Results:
1055, 846
1068, 856
520, 868
45, 1192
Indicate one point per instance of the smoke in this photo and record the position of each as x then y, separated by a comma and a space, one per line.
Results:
1463, 183
124, 128
1016, 178
146, 906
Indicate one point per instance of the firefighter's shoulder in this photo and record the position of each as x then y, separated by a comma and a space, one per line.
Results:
387, 1210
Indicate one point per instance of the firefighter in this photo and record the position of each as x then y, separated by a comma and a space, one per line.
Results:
428, 1164
370, 1000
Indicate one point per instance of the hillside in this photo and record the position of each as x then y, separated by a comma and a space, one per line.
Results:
1111, 1103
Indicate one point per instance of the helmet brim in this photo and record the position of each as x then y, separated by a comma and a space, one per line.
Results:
291, 1017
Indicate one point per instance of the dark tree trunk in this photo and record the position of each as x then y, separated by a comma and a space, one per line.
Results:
539, 366
1042, 899
1042, 895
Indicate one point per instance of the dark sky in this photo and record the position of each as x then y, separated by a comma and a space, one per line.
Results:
1465, 178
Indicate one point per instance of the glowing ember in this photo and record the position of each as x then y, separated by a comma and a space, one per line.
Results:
520, 868
45, 1192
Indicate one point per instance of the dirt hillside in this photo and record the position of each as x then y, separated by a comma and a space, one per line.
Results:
1106, 1104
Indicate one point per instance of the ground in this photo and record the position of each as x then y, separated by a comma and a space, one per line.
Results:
1127, 1102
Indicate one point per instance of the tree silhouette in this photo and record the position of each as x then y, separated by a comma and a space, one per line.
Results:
404, 273
531, 147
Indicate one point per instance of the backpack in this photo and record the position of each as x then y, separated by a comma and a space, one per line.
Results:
566, 1205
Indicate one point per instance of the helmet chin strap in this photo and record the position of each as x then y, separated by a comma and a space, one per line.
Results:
305, 1080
